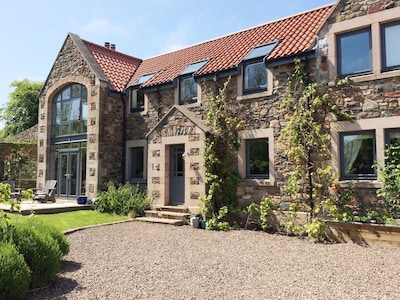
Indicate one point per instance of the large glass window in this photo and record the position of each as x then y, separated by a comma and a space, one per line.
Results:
137, 159
358, 155
390, 45
354, 52
254, 77
187, 90
257, 158
70, 111
137, 101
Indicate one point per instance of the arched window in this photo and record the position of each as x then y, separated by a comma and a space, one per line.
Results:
70, 111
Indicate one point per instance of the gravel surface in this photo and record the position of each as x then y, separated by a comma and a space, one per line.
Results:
137, 260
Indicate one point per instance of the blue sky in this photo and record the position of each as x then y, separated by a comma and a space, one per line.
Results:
32, 32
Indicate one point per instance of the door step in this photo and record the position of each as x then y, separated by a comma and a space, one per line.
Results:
173, 215
161, 220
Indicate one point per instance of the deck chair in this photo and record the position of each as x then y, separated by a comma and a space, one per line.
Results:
48, 194
14, 194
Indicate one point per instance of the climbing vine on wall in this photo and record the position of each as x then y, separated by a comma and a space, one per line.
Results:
306, 139
221, 175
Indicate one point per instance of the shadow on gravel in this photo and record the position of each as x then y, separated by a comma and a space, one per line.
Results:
60, 287
68, 266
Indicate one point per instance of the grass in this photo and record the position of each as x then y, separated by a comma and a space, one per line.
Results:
71, 220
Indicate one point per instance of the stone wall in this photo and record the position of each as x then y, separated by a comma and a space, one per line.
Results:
350, 9
27, 136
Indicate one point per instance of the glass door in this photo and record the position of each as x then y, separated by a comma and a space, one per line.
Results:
69, 179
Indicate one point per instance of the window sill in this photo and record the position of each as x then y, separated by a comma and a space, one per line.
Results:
254, 96
259, 181
375, 76
195, 104
368, 184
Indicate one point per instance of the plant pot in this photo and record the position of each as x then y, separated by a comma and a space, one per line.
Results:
81, 200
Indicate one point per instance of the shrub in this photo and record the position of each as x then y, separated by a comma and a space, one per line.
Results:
123, 200
40, 251
14, 272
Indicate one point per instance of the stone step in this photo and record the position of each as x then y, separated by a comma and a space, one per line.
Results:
175, 222
181, 209
167, 214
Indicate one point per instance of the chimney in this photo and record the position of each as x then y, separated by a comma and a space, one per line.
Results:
113, 47
107, 45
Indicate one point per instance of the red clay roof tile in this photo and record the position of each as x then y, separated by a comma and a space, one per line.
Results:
117, 67
296, 34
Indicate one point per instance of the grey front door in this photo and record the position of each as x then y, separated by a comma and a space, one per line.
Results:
177, 175
68, 174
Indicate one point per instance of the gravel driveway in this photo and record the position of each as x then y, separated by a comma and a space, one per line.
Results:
137, 260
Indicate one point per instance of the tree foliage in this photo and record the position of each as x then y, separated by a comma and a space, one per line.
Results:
21, 111
306, 139
221, 175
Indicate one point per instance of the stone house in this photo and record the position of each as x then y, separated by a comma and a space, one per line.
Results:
107, 116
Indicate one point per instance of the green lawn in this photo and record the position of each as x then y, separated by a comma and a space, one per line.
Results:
71, 220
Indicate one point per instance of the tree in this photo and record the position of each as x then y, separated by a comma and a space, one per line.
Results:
221, 175
21, 111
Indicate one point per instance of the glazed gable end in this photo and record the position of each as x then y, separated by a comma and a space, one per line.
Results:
75, 65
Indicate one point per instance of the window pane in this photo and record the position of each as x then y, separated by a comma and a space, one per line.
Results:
187, 90
70, 111
391, 45
393, 136
84, 109
263, 50
137, 162
66, 94
354, 52
255, 77
75, 113
137, 100
76, 91
257, 158
358, 155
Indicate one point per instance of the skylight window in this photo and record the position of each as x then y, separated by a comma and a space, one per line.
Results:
194, 67
261, 51
145, 78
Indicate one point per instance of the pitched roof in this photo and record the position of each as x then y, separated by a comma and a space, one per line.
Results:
296, 34
116, 66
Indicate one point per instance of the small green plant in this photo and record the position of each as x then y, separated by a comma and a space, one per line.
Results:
260, 212
316, 229
123, 200
15, 274
216, 223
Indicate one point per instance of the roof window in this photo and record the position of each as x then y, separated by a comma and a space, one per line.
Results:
260, 51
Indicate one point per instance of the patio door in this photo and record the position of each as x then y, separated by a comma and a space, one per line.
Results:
68, 177
177, 175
